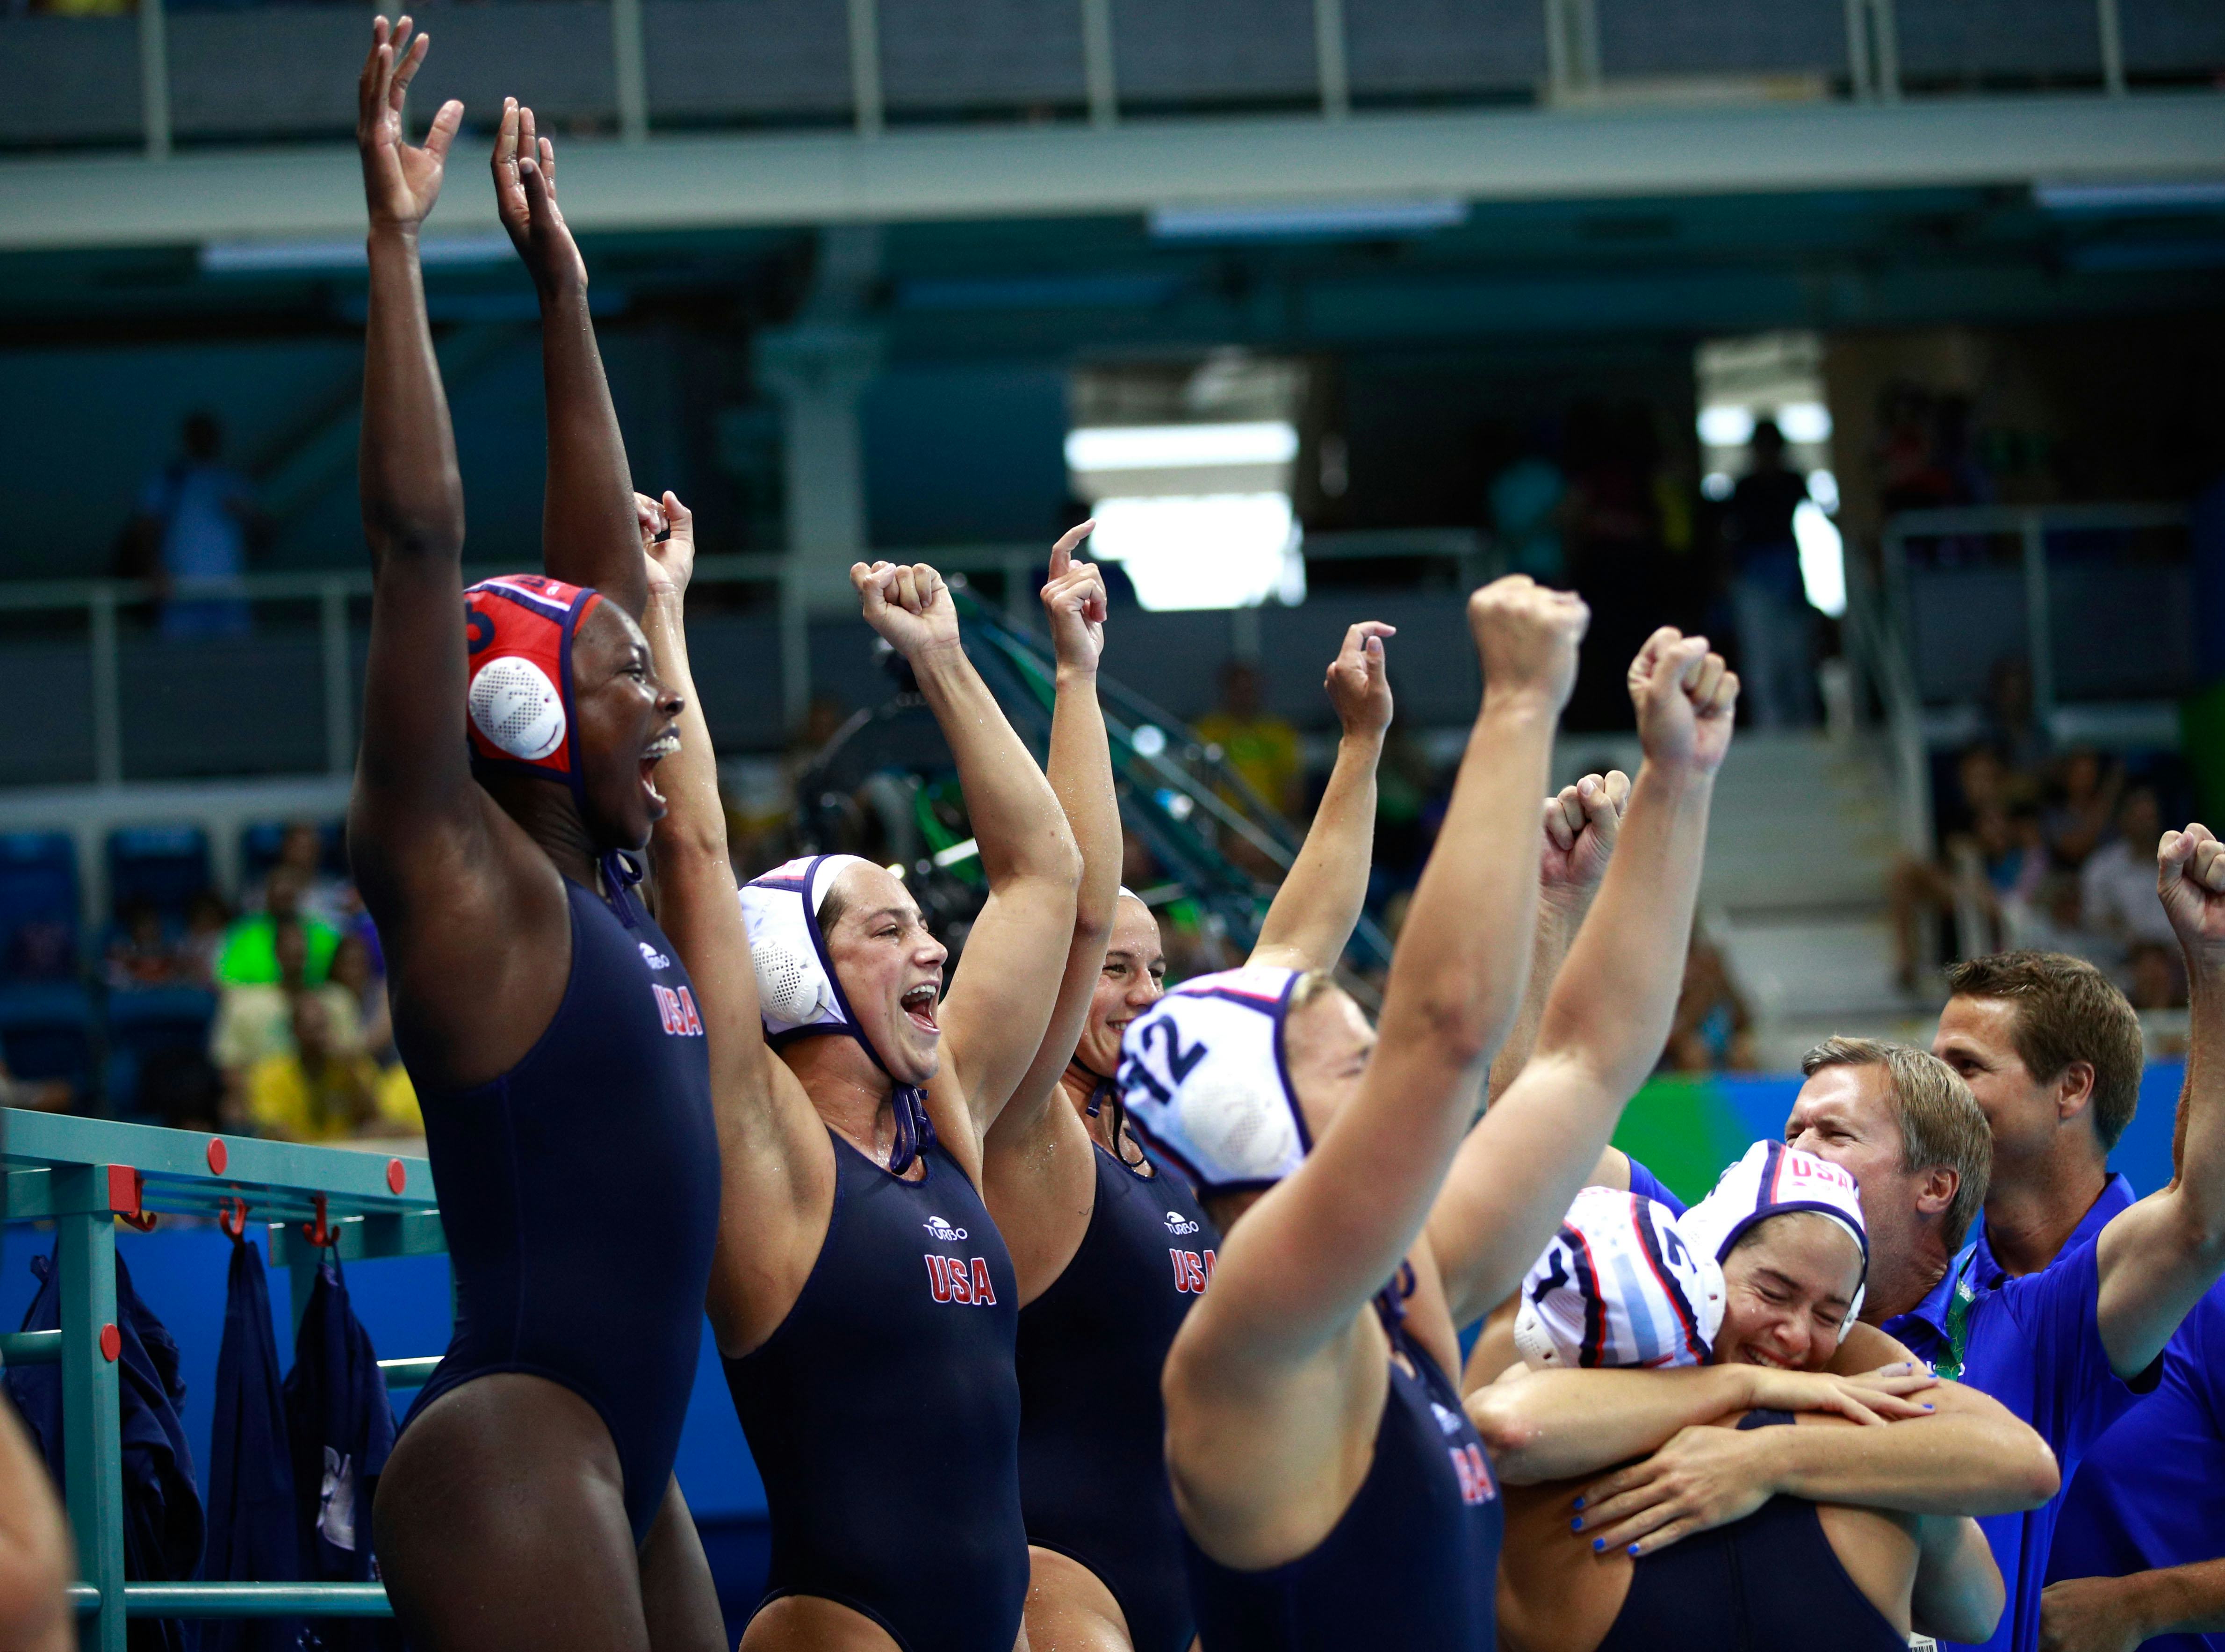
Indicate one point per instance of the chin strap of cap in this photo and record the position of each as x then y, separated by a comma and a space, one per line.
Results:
914, 1129
620, 876
1100, 1085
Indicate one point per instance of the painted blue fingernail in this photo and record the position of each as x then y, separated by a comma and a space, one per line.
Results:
1929, 1407
1633, 1550
1580, 1502
1598, 1543
1577, 1524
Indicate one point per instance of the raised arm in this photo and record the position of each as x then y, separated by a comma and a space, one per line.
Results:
2157, 1259
999, 1005
1581, 822
587, 523
1320, 901
413, 785
1608, 1013
1298, 1268
772, 1153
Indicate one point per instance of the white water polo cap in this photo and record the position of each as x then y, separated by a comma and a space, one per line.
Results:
798, 995
1771, 1180
1203, 1079
1618, 1286
796, 989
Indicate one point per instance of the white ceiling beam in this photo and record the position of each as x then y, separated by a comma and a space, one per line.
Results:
714, 181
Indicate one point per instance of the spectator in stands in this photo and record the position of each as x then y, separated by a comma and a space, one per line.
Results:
1998, 864
2082, 809
355, 971
1712, 1030
2118, 880
328, 899
249, 956
196, 519
255, 1020
208, 922
144, 954
1528, 501
1775, 626
322, 1089
1260, 747
2012, 726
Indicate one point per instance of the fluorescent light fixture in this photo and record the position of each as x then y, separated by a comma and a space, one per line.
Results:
1804, 421
2194, 193
1179, 447
1823, 558
1725, 427
1823, 489
957, 851
308, 257
1208, 550
1306, 220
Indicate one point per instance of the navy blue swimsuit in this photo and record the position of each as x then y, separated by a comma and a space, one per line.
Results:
1771, 1579
580, 1194
1093, 1426
884, 1416
1414, 1562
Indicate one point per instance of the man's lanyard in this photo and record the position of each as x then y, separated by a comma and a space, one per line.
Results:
1958, 1320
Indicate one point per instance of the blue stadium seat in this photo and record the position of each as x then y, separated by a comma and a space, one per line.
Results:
38, 907
152, 1026
46, 1031
167, 866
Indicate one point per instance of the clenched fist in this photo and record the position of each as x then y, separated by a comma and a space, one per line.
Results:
1526, 636
1685, 697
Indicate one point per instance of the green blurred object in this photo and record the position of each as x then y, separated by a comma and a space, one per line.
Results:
250, 957
1684, 1129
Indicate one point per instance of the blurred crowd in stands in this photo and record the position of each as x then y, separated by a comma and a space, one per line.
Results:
2044, 847
271, 1019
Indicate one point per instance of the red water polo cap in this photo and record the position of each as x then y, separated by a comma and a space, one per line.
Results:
519, 709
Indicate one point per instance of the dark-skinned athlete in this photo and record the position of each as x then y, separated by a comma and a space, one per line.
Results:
551, 1035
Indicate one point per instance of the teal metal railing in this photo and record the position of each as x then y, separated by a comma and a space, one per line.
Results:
83, 1175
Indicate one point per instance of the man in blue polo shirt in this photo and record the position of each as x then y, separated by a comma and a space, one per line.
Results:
2139, 1553
2140, 1550
2061, 1306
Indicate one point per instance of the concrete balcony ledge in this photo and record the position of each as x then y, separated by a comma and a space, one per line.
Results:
735, 180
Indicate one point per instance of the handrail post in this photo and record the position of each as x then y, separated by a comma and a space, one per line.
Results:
865, 67
339, 679
154, 78
2039, 629
2113, 47
1861, 84
626, 62
92, 1445
1888, 49
1330, 62
1097, 70
795, 643
107, 690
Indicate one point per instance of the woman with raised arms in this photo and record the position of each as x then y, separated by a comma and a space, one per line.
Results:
1331, 1491
862, 1298
1110, 1252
